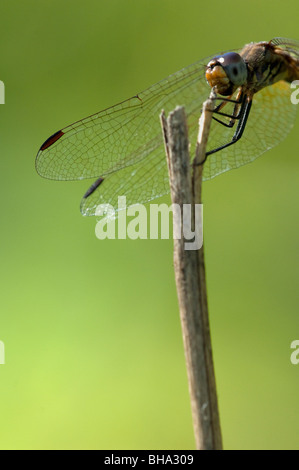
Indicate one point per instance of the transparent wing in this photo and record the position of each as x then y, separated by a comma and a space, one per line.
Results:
123, 134
271, 118
123, 144
290, 45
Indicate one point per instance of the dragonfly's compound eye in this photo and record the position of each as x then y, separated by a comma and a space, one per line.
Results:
226, 73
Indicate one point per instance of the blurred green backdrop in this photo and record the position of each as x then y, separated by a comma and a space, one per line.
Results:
94, 355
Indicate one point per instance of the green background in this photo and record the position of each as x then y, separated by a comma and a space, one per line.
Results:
94, 355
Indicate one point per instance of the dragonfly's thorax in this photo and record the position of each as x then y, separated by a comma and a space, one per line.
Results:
267, 64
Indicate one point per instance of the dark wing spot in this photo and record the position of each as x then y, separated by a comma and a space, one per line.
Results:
93, 187
51, 140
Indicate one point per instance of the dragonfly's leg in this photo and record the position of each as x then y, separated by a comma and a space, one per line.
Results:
235, 114
227, 100
233, 117
244, 113
230, 124
239, 99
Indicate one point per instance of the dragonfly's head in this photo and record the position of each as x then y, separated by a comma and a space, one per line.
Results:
226, 73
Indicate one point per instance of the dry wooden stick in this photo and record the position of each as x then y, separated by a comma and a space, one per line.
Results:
190, 277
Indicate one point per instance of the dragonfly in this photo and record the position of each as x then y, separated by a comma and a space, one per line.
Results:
122, 146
